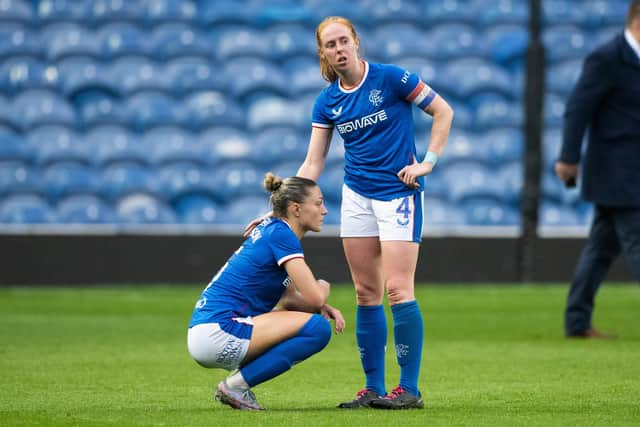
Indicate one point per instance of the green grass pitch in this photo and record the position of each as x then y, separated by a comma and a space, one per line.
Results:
493, 355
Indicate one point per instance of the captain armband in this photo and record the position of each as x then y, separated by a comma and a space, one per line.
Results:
423, 95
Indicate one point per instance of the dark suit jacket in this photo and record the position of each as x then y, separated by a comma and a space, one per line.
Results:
606, 99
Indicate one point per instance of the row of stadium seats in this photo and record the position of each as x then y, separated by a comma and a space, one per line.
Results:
594, 13
103, 145
501, 43
198, 209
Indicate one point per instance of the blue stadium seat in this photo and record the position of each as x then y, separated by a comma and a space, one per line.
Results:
470, 179
78, 73
438, 213
26, 209
8, 116
555, 12
95, 107
18, 39
120, 179
359, 15
177, 39
64, 179
236, 179
441, 11
276, 144
397, 40
49, 11
564, 42
211, 108
105, 11
14, 147
69, 39
138, 209
331, 182
85, 209
181, 179
274, 12
19, 177
468, 76
489, 212
271, 111
461, 146
198, 209
223, 144
55, 143
505, 44
148, 109
502, 145
504, 12
26, 72
562, 76
192, 73
223, 12
251, 76
240, 211
426, 68
434, 185
239, 41
398, 11
509, 180
284, 169
303, 76
558, 215
168, 144
16, 11
136, 73
607, 12
113, 144
553, 109
493, 110
551, 142
333, 213
286, 41
120, 39
40, 107
452, 40
464, 115
164, 11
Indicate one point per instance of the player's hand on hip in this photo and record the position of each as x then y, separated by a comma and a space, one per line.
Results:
410, 173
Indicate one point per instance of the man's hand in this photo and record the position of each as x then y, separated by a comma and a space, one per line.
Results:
330, 313
567, 172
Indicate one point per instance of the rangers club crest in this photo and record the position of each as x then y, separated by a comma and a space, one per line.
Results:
375, 98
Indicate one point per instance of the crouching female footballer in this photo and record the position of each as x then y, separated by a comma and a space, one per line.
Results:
264, 310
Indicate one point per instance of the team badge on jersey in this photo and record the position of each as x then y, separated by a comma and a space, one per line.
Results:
375, 97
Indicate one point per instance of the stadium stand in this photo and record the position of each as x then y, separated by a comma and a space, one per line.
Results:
135, 91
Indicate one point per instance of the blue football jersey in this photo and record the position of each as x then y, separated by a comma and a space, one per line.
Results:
375, 122
253, 279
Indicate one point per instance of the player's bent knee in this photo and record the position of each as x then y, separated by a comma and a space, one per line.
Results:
319, 329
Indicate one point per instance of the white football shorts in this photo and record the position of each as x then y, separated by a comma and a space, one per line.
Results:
397, 219
212, 347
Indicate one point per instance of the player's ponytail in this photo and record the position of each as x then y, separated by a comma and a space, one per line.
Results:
294, 189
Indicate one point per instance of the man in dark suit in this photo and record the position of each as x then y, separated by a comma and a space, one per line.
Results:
606, 99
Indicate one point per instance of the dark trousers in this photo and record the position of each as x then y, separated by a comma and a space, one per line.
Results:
614, 230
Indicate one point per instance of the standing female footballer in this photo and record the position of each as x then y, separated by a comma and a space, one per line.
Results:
235, 323
370, 105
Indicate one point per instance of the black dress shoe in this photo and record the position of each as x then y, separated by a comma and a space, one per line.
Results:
592, 333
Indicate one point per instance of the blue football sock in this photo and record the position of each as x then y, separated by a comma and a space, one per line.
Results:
312, 337
409, 332
371, 335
